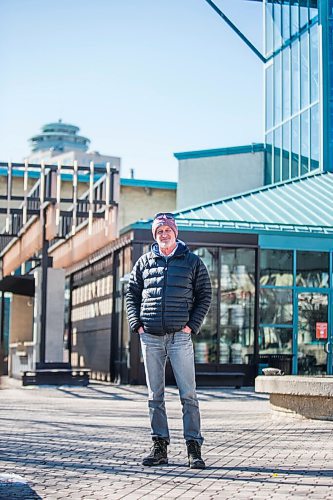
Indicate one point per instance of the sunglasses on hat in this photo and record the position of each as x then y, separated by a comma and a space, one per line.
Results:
166, 215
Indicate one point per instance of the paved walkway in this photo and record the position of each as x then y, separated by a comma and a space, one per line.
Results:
87, 443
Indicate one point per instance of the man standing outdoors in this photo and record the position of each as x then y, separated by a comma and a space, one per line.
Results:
168, 297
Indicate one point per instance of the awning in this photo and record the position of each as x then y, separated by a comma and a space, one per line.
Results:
20, 285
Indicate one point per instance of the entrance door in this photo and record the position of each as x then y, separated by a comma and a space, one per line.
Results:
313, 334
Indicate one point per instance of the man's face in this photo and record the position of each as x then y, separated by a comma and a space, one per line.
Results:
165, 237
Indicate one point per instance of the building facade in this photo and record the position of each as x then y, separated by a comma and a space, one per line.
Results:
271, 278
215, 173
298, 94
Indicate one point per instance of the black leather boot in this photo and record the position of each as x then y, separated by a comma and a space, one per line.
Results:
194, 455
158, 454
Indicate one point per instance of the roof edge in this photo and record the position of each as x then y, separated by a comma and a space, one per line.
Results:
232, 150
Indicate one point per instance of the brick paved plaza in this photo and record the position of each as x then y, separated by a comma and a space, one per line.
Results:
87, 443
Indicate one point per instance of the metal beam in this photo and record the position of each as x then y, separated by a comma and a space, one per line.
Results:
237, 31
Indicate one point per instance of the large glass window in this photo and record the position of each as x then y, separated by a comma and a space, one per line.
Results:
294, 16
295, 78
314, 139
206, 344
277, 154
276, 267
294, 147
269, 27
277, 25
285, 150
237, 305
286, 83
312, 269
274, 340
277, 89
304, 70
285, 21
314, 63
305, 143
303, 13
276, 306
269, 159
269, 97
312, 333
313, 10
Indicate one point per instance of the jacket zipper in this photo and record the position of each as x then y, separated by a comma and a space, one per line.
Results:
164, 289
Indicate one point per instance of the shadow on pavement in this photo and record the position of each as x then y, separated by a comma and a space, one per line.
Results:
9, 491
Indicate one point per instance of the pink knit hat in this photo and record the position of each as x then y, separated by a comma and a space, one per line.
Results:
164, 219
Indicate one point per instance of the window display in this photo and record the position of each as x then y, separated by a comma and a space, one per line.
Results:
237, 305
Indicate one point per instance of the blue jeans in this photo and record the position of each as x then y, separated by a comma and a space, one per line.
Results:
178, 348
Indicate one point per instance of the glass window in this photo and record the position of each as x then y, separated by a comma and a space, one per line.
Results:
205, 345
285, 150
268, 159
304, 70
277, 90
237, 305
312, 333
277, 154
295, 102
285, 21
314, 134
269, 27
277, 25
312, 269
303, 13
276, 306
269, 97
276, 267
314, 64
313, 11
274, 340
294, 16
305, 143
286, 83
294, 146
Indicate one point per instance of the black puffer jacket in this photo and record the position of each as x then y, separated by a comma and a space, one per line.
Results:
165, 295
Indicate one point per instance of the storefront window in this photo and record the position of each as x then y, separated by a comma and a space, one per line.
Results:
205, 345
312, 333
275, 340
312, 269
276, 306
237, 305
276, 267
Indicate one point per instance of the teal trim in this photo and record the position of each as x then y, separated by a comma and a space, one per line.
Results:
298, 242
148, 184
246, 230
32, 174
207, 153
295, 320
323, 7
297, 35
330, 326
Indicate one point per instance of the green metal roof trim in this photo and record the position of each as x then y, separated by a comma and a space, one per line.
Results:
302, 206
148, 183
235, 150
307, 201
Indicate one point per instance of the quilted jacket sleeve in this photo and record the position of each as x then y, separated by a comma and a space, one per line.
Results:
202, 297
134, 297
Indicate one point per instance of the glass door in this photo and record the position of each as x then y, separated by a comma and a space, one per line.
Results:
313, 333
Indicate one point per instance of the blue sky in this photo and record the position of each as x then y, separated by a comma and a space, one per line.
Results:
141, 78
